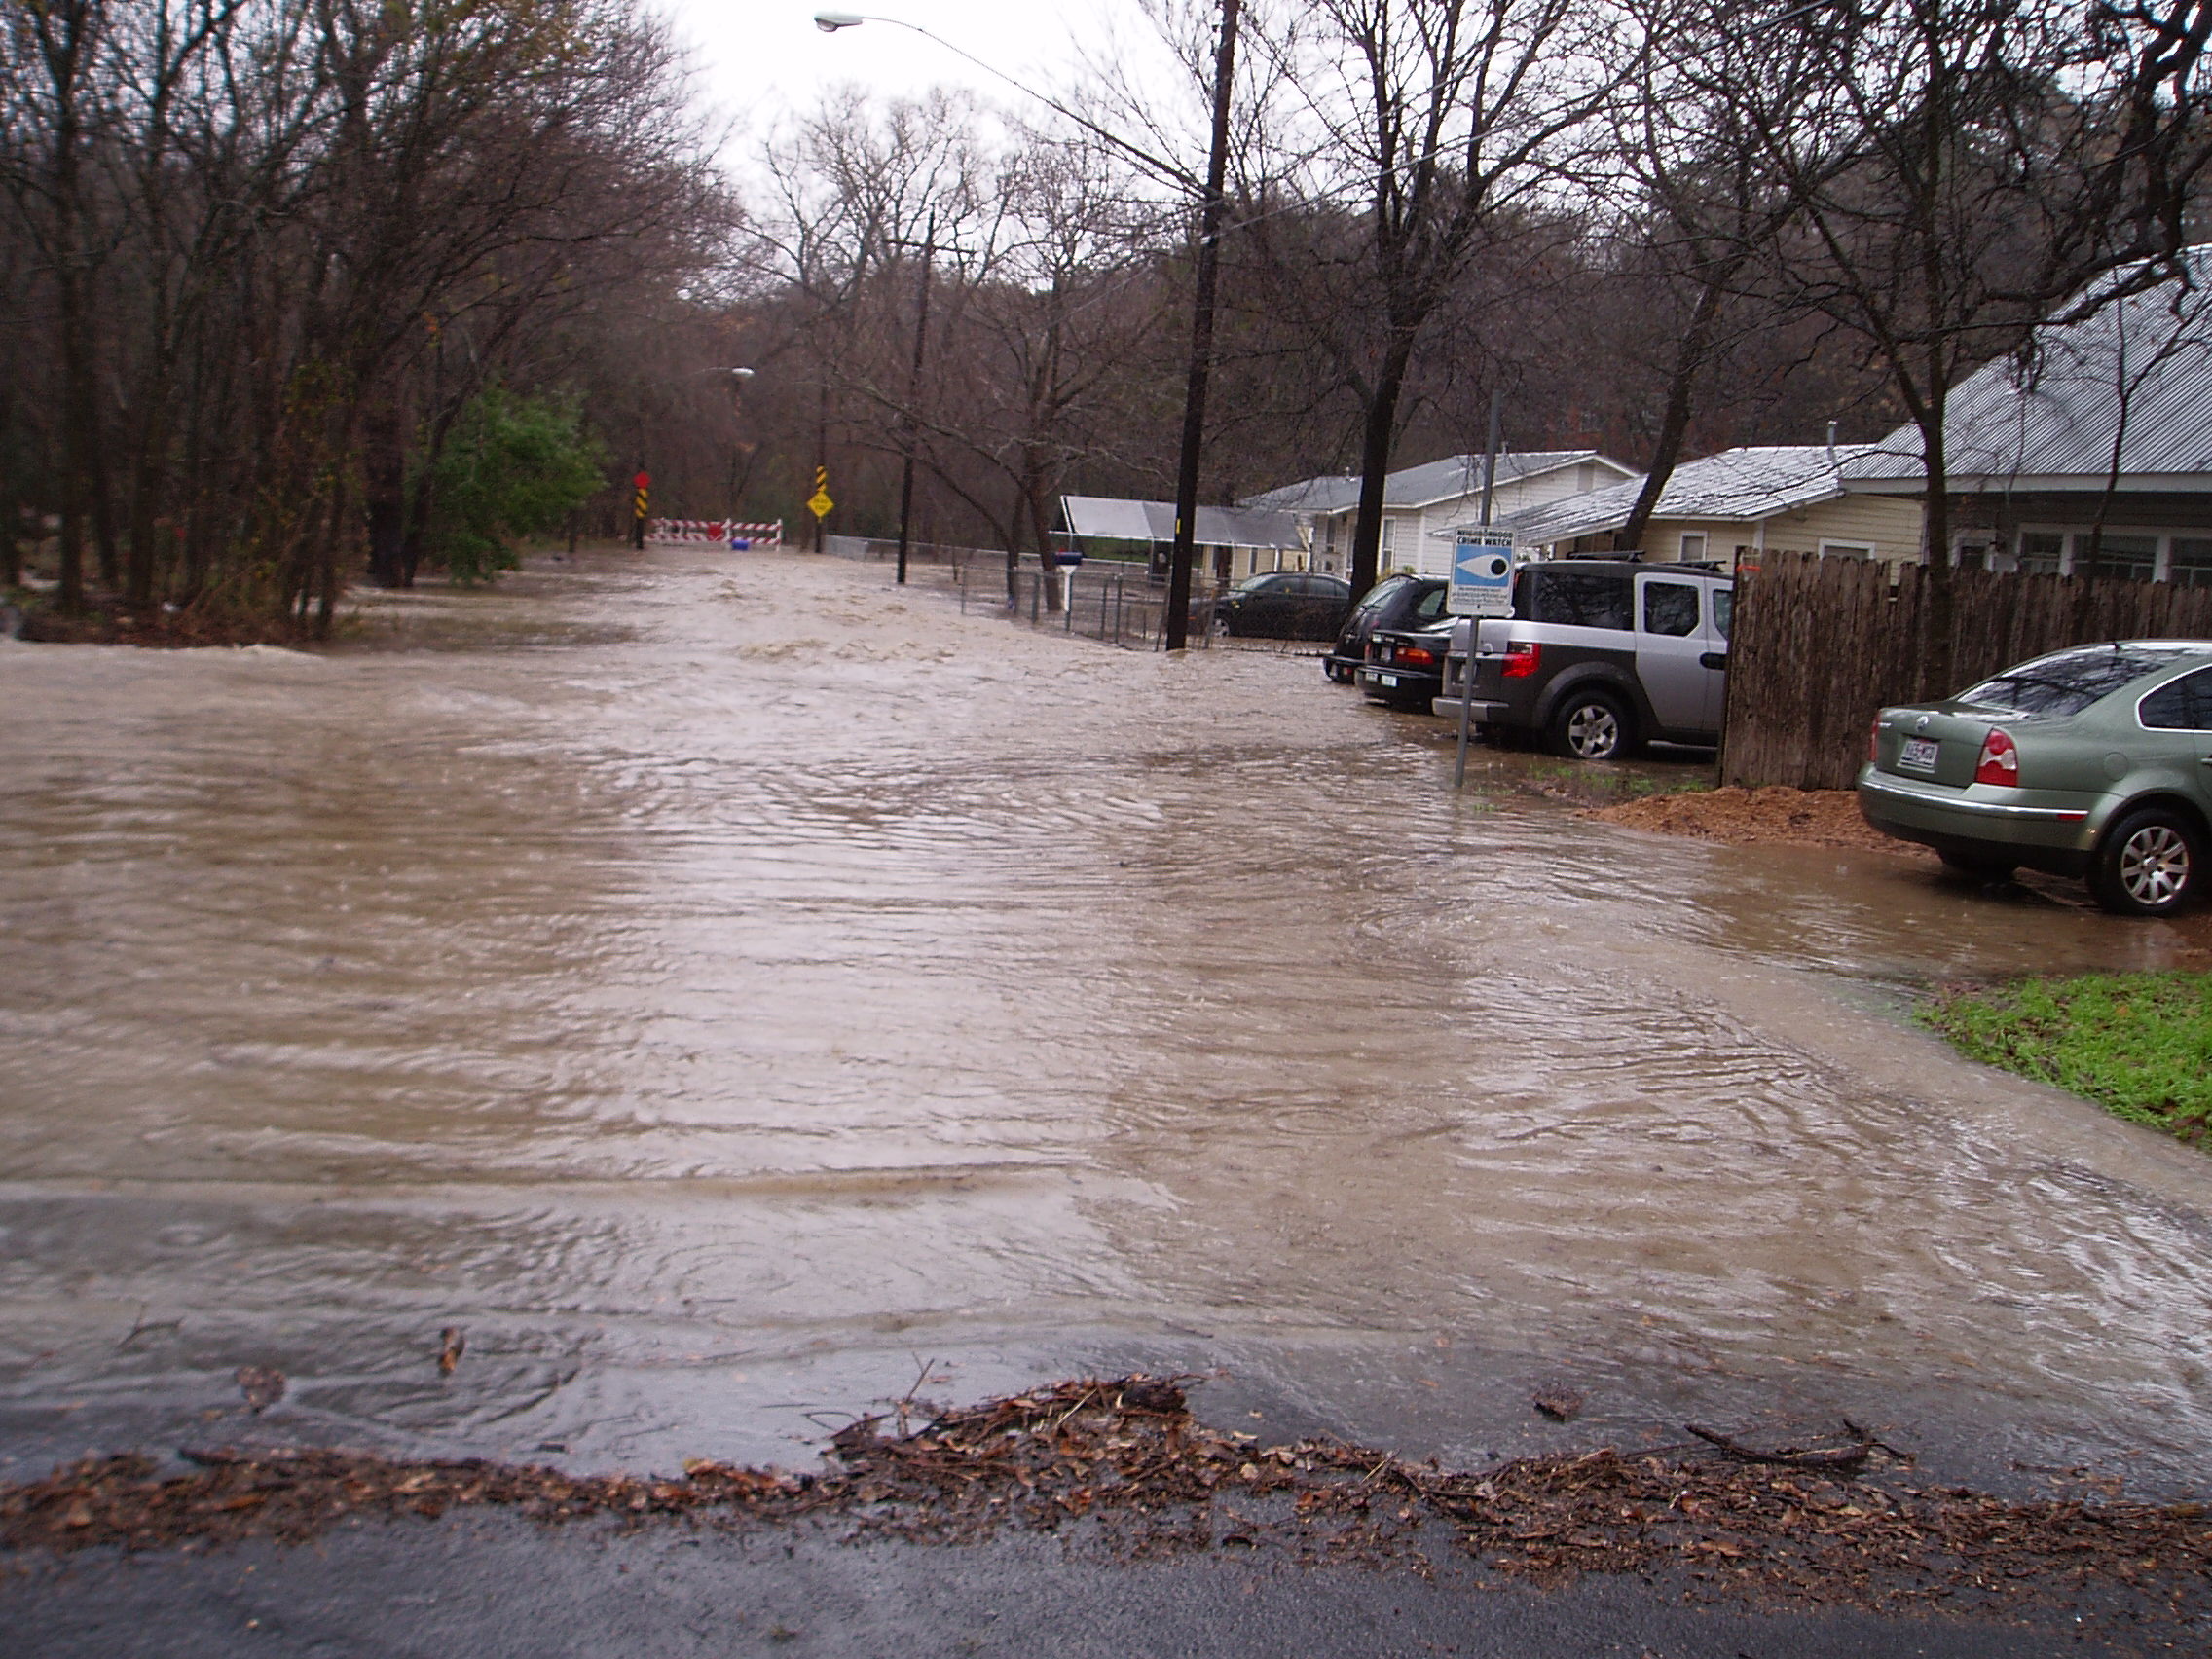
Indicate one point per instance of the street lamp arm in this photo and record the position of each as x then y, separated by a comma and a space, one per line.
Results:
829, 22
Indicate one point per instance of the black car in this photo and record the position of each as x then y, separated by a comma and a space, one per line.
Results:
1283, 605
1395, 602
1405, 666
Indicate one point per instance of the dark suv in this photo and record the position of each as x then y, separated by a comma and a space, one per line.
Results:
1395, 602
1601, 656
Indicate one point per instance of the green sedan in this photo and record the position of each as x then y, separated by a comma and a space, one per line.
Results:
2094, 761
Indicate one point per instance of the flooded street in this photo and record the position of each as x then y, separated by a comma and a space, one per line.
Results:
719, 986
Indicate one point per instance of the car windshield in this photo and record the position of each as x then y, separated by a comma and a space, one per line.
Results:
2067, 683
1265, 581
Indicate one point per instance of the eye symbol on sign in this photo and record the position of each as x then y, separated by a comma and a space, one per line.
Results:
1494, 567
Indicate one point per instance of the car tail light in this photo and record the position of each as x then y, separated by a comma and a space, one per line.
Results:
1415, 654
2000, 762
1875, 742
1521, 659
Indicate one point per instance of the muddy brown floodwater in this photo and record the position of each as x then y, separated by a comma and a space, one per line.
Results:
717, 986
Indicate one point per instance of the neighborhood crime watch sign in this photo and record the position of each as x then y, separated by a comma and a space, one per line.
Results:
1481, 579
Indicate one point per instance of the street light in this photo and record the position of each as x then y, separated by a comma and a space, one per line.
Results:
737, 380
829, 22
1212, 205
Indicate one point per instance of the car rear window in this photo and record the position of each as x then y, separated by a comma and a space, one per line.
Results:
2064, 683
1575, 599
2179, 705
1430, 604
1380, 594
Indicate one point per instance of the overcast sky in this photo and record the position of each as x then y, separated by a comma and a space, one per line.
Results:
762, 56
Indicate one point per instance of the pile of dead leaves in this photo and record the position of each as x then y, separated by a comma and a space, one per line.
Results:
1128, 1457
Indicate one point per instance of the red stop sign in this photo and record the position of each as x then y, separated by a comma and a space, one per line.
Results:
642, 480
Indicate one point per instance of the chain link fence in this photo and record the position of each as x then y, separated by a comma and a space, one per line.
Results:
1114, 602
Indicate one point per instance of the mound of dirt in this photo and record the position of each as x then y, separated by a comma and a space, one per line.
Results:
1742, 818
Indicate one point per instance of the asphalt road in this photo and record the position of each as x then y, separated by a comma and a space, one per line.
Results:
490, 1587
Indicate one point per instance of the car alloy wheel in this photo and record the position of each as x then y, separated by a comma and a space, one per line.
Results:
2147, 865
1591, 728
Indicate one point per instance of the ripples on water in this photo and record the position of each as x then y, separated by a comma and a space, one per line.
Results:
717, 979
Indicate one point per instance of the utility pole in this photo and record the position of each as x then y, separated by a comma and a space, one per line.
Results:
822, 451
1473, 627
1210, 215
914, 396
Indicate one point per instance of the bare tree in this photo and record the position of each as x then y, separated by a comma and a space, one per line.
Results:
1448, 122
1956, 168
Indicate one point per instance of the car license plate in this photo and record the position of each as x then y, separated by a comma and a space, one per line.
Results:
1919, 753
1388, 679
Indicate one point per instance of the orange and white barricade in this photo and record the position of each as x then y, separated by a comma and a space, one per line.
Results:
698, 532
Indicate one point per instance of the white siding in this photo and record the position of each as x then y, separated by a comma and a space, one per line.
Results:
1418, 541
1893, 528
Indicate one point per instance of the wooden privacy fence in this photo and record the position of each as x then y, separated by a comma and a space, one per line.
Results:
1819, 645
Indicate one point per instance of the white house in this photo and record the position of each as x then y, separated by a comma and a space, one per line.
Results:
1787, 497
1420, 501
2088, 454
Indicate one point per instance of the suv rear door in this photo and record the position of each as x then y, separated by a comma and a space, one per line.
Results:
1671, 636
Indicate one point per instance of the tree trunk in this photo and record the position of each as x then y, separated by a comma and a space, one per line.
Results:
326, 558
417, 533
1936, 657
1376, 443
384, 481
1681, 385
149, 476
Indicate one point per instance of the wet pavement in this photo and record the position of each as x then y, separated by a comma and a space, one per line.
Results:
724, 988
500, 1587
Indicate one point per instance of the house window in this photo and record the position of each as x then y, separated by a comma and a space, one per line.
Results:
2118, 558
1693, 546
2042, 552
2191, 562
1389, 532
1847, 549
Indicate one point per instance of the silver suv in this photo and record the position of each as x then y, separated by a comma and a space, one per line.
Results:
1600, 656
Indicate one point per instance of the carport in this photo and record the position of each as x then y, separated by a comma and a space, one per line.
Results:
1233, 542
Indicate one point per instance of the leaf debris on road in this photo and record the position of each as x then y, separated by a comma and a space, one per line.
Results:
1127, 1455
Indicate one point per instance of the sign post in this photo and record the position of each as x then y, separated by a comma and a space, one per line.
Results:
1482, 585
639, 505
819, 503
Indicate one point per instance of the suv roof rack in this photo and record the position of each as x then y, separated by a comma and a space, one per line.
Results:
1634, 555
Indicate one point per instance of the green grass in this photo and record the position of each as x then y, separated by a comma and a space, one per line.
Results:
2138, 1044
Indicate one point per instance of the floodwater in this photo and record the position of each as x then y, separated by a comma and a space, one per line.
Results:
722, 989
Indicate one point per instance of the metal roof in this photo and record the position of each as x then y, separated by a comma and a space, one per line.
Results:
2139, 369
1124, 520
1744, 484
1424, 484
